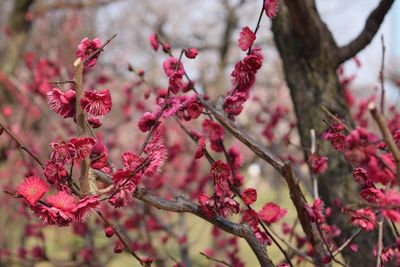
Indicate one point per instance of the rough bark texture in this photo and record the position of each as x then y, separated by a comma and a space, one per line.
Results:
310, 59
19, 28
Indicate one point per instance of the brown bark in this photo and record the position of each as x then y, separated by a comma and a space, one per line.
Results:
310, 58
19, 28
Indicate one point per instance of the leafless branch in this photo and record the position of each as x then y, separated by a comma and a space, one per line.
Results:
371, 27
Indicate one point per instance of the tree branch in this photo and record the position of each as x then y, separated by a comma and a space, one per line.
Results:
283, 168
80, 121
180, 204
371, 27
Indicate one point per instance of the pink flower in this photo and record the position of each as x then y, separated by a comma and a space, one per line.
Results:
236, 157
146, 121
390, 198
109, 231
253, 62
84, 207
213, 130
243, 77
361, 177
157, 154
62, 103
315, 212
233, 104
62, 152
94, 122
249, 196
271, 8
99, 156
201, 145
130, 160
53, 216
87, 47
62, 200
271, 213
262, 237
207, 205
194, 110
32, 189
175, 83
338, 141
83, 146
153, 38
318, 164
166, 47
220, 171
246, 38
124, 196
54, 172
171, 67
97, 103
191, 53
250, 217
371, 194
228, 206
364, 218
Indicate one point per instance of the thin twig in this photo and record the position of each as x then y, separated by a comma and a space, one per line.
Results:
382, 76
328, 248
95, 52
119, 236
295, 250
21, 145
380, 243
61, 82
332, 116
313, 176
347, 242
215, 260
158, 117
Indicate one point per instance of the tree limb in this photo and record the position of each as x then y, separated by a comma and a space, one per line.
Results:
283, 168
180, 204
371, 27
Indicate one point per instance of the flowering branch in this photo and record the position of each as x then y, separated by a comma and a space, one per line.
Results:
126, 245
283, 168
181, 204
81, 123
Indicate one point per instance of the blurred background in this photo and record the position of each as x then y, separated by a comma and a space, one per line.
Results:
38, 40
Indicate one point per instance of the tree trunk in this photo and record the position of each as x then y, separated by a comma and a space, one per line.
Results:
310, 59
19, 29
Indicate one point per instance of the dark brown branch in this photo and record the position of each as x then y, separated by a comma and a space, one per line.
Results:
181, 204
371, 27
308, 24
